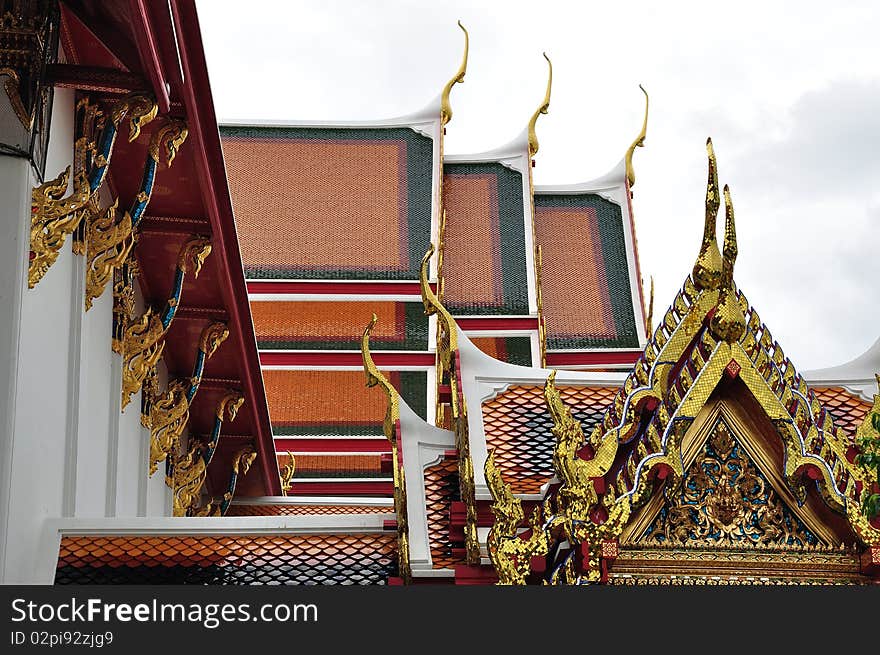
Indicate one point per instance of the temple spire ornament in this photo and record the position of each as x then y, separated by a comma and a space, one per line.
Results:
543, 109
707, 269
458, 78
392, 430
728, 322
638, 143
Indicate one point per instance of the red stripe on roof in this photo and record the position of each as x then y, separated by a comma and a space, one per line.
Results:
499, 324
366, 488
594, 358
300, 287
331, 445
330, 358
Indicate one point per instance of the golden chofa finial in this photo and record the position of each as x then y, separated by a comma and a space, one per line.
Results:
376, 377
445, 107
638, 143
728, 322
707, 269
545, 106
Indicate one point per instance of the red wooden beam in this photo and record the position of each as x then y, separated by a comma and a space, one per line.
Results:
256, 287
500, 324
211, 172
331, 445
366, 488
331, 358
608, 358
148, 48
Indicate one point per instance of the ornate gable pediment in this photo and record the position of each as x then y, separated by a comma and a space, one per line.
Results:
732, 495
714, 443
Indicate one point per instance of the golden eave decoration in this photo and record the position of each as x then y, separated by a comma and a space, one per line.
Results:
375, 377
447, 346
542, 109
638, 143
707, 269
458, 78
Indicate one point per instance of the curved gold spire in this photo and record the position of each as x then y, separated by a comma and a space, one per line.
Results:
374, 377
638, 143
545, 106
392, 417
286, 474
445, 107
707, 269
432, 303
728, 322
649, 322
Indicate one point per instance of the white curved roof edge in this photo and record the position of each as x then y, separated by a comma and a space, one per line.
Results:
856, 375
428, 114
477, 364
518, 147
616, 177
422, 445
863, 367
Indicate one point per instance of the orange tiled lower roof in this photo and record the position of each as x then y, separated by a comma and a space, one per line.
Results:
847, 410
518, 426
318, 397
441, 489
334, 401
284, 559
325, 321
320, 465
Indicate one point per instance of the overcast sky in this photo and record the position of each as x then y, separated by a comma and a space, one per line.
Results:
789, 93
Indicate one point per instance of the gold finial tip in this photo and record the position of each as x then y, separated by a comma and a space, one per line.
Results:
726, 189
643, 89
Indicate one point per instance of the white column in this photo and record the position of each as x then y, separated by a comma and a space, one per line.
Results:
37, 453
15, 203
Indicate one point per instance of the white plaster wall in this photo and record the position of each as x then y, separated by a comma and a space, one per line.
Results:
66, 450
96, 360
14, 210
40, 452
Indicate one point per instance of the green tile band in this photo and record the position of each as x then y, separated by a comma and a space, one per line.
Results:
415, 337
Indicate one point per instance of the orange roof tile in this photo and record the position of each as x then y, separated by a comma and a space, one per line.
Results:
356, 189
518, 426
584, 273
319, 397
320, 465
847, 410
441, 488
286, 559
472, 243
